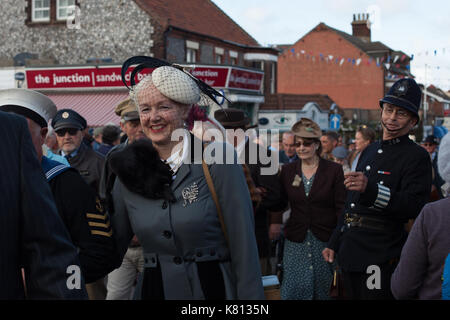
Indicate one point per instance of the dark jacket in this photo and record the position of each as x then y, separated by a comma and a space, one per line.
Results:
32, 235
87, 223
320, 210
89, 164
269, 199
399, 184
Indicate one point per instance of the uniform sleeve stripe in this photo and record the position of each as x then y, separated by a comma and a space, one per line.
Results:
98, 224
102, 233
383, 197
96, 216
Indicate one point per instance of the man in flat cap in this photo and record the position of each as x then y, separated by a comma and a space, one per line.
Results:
391, 184
69, 125
76, 202
121, 280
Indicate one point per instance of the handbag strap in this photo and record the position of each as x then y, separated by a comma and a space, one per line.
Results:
210, 183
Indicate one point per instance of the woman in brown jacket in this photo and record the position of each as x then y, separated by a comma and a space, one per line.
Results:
314, 189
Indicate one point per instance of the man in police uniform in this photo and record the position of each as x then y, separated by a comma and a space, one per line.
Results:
121, 280
69, 126
77, 204
391, 185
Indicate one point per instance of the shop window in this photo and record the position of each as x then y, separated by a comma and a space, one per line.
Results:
40, 10
65, 9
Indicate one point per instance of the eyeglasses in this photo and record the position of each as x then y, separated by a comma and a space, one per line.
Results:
428, 144
304, 143
401, 114
62, 132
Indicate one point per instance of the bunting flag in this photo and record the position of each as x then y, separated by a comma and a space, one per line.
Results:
395, 59
358, 61
387, 65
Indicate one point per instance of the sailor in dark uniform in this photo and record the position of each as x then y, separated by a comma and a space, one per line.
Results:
77, 204
69, 126
391, 184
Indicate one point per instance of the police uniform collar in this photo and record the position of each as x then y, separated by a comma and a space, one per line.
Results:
395, 140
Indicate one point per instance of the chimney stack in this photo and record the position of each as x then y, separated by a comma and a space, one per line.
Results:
361, 27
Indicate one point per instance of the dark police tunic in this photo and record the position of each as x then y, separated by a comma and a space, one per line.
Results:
88, 226
399, 183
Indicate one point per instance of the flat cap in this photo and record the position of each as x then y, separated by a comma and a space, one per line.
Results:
127, 110
306, 128
28, 103
68, 118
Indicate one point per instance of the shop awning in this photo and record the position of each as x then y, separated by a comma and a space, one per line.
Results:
96, 107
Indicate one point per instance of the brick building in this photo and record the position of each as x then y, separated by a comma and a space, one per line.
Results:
47, 38
351, 69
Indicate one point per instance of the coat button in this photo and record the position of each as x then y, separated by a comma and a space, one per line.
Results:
380, 150
167, 234
164, 205
381, 182
177, 260
352, 205
368, 168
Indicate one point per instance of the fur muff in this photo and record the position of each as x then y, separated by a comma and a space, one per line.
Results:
140, 169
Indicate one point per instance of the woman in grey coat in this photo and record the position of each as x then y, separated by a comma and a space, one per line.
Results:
162, 196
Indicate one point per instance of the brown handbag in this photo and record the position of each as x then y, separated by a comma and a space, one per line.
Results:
272, 292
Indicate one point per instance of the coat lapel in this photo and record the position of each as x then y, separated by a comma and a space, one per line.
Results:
317, 177
182, 173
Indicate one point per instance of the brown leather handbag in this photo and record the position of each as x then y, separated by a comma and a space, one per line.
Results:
271, 292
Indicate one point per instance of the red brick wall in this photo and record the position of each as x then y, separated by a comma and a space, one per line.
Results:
350, 86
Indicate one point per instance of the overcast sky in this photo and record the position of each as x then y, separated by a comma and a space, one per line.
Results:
412, 26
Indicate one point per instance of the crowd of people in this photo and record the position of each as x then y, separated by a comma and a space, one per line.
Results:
142, 215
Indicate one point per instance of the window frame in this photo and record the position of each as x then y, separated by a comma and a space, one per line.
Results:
191, 53
58, 18
33, 11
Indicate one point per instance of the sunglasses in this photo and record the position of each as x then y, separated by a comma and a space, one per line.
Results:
428, 144
62, 132
304, 143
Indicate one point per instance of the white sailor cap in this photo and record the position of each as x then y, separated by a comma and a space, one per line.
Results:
28, 103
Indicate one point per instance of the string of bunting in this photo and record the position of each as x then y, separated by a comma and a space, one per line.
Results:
387, 62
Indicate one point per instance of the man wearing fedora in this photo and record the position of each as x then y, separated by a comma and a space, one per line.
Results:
234, 119
121, 281
391, 184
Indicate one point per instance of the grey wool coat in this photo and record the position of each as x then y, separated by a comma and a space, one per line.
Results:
177, 236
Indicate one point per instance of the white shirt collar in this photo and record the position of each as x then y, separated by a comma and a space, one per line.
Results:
178, 158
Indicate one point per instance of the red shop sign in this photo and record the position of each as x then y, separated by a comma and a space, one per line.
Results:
110, 77
245, 80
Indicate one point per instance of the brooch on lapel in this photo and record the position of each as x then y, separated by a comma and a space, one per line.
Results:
297, 181
190, 194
